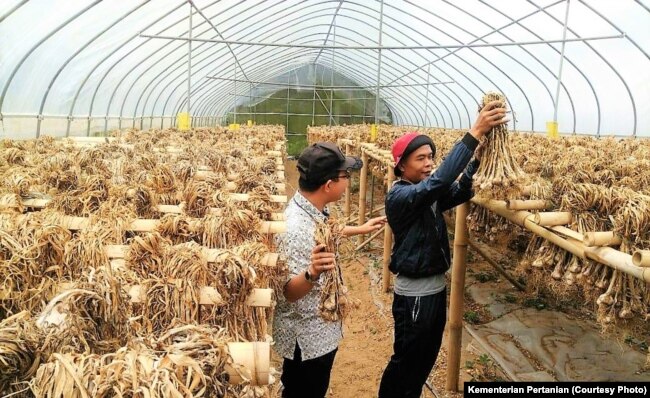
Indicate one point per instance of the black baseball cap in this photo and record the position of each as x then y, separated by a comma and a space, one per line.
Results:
321, 160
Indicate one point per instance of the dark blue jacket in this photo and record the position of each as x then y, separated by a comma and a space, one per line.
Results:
414, 212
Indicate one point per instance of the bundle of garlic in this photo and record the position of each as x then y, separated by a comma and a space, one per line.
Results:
499, 174
334, 302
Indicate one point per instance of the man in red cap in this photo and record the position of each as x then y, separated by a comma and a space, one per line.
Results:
307, 342
420, 256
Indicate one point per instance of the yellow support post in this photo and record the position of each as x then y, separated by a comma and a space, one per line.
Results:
183, 121
373, 133
551, 130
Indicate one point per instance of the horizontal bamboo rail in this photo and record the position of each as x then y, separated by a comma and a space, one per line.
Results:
147, 225
237, 197
230, 185
167, 149
380, 155
529, 204
211, 255
550, 219
568, 232
209, 295
604, 255
167, 209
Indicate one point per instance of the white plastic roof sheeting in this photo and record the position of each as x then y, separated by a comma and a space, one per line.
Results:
80, 59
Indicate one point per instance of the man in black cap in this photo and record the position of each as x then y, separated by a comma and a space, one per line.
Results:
307, 342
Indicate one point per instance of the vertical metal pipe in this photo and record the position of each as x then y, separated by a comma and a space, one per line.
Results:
381, 24
313, 102
426, 98
288, 81
234, 98
189, 67
332, 72
559, 74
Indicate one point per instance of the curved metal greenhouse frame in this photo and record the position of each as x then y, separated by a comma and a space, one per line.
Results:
72, 68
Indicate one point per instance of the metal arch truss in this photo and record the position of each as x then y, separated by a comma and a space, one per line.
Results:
207, 75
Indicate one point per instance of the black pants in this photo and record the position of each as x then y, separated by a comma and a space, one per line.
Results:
306, 379
419, 325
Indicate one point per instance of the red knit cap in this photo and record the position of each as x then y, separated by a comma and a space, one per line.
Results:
406, 144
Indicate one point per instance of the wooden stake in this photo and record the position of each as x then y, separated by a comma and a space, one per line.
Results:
348, 194
461, 237
363, 181
388, 240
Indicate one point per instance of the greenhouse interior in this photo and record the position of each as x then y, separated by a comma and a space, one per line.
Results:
174, 221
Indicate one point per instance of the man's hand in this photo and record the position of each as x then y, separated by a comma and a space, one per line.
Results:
321, 261
373, 225
492, 114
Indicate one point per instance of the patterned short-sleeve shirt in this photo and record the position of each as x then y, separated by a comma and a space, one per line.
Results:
300, 321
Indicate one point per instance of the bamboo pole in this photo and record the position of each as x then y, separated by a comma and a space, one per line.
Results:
372, 195
180, 209
238, 197
524, 218
363, 181
211, 255
529, 204
604, 255
549, 219
244, 197
230, 185
209, 296
356, 218
641, 258
147, 225
461, 237
348, 193
568, 232
370, 239
496, 265
252, 363
605, 238
388, 240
